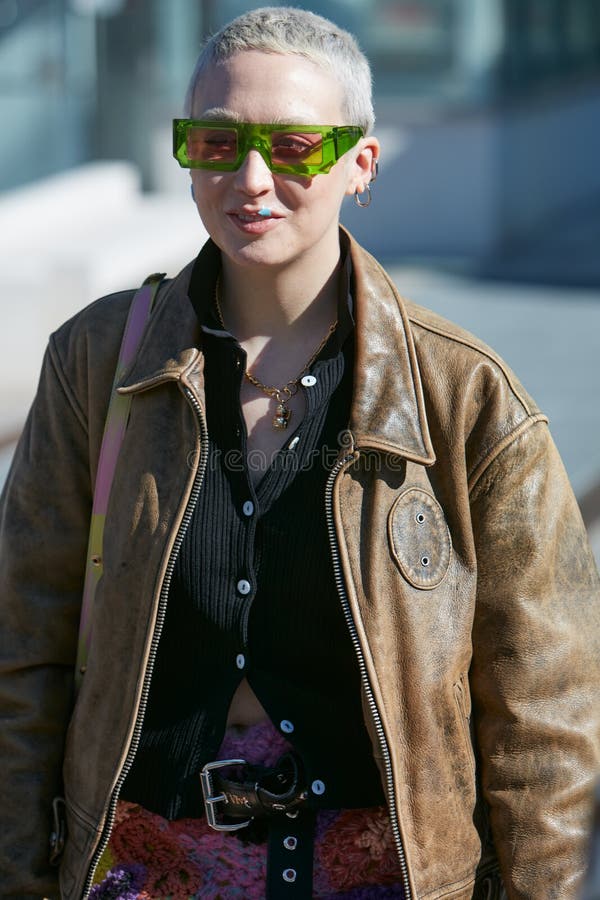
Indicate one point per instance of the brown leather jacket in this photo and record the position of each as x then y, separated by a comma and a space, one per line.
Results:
462, 565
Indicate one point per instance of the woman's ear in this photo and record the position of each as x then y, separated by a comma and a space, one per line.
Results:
364, 167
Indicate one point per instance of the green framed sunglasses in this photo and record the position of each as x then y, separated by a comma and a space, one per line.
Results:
287, 149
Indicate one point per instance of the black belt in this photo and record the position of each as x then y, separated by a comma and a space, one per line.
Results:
277, 797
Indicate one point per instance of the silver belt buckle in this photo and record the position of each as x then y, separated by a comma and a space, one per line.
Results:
210, 800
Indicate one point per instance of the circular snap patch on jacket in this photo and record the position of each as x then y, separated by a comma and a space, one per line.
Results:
419, 538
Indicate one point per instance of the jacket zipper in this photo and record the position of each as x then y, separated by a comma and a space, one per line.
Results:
341, 588
160, 617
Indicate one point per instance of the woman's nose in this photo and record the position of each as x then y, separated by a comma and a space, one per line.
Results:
254, 176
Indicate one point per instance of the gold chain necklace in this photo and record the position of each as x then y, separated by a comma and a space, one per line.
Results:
282, 395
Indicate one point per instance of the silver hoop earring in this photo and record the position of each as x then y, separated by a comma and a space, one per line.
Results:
358, 201
374, 170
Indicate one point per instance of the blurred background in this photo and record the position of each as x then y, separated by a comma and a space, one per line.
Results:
487, 207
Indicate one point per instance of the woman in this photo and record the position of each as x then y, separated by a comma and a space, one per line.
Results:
329, 649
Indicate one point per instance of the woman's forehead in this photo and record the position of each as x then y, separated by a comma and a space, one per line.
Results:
223, 114
253, 86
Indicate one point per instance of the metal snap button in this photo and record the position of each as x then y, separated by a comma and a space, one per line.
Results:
318, 787
308, 381
289, 875
290, 842
243, 586
424, 560
420, 518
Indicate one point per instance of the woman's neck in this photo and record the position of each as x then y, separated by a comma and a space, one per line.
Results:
277, 303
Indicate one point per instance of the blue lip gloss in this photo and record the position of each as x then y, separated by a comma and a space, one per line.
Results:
265, 211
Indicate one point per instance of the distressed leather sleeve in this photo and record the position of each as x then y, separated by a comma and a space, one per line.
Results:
535, 672
44, 522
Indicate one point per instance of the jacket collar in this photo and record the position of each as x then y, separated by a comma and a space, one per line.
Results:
170, 345
387, 411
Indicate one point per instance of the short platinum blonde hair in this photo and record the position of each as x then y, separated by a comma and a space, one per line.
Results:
291, 31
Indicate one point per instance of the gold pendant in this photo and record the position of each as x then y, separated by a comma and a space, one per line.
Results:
282, 416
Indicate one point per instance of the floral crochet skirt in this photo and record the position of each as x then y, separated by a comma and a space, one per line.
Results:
151, 858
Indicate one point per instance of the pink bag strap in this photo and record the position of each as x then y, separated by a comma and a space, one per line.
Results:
112, 439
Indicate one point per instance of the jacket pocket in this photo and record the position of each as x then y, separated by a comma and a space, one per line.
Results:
419, 538
462, 698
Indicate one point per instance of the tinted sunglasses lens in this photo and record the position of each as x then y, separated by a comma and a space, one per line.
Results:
223, 147
296, 148
211, 145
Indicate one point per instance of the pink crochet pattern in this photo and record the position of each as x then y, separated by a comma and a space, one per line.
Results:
151, 858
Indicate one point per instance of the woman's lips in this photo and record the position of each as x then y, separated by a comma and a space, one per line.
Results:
253, 222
